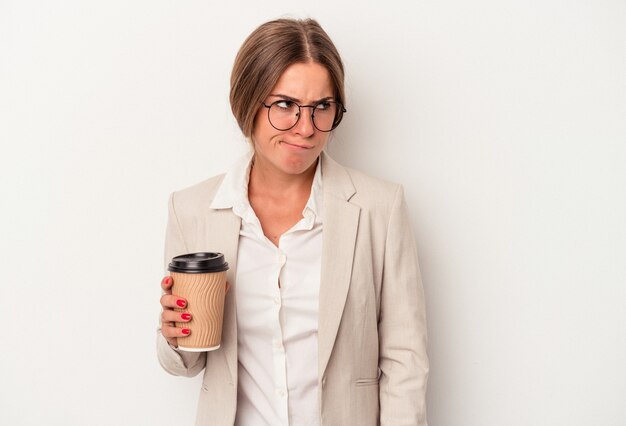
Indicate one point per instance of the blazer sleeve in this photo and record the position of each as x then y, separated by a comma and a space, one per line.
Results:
403, 360
178, 363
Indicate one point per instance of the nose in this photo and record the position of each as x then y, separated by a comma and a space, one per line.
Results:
304, 127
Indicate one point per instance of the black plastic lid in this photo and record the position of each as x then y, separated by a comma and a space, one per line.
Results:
198, 263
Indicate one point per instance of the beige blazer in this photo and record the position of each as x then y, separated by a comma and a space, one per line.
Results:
372, 362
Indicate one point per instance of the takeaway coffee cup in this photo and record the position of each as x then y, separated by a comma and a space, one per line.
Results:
200, 278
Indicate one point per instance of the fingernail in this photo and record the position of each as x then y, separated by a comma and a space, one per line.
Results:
186, 331
166, 280
181, 303
186, 316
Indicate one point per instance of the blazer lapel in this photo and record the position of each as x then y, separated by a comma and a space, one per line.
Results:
341, 221
224, 236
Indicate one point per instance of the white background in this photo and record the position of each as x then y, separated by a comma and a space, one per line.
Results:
505, 121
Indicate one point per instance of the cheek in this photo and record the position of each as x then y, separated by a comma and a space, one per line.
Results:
324, 138
264, 139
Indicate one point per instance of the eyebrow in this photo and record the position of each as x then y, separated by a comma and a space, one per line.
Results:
289, 98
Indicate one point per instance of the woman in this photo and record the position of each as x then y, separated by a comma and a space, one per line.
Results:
324, 322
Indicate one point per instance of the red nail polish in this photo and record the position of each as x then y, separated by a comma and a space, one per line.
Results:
168, 280
186, 316
181, 303
186, 331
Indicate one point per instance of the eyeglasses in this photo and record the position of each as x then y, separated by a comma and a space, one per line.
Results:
284, 114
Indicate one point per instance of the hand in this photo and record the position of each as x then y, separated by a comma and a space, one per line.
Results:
169, 316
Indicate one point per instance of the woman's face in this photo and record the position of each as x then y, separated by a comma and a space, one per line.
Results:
296, 150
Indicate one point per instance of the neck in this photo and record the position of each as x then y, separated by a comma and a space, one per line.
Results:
270, 181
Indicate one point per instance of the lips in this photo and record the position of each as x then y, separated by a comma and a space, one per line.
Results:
297, 145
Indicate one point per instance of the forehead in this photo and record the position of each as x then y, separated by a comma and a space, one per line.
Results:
305, 82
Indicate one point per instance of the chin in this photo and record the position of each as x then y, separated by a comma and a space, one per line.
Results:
299, 167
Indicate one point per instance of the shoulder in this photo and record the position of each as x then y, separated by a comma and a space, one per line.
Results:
198, 196
378, 199
358, 187
372, 188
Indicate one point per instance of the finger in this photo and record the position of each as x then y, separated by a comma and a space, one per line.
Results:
169, 331
166, 284
170, 316
173, 302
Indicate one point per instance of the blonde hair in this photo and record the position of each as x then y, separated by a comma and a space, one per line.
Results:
265, 55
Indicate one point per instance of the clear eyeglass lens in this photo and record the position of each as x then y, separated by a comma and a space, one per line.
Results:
284, 115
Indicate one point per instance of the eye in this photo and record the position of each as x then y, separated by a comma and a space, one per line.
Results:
284, 104
323, 106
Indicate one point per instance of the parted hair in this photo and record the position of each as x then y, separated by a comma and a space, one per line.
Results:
267, 52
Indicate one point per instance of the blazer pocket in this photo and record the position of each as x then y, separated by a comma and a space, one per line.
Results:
366, 382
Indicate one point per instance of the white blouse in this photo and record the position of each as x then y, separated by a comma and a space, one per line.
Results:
277, 299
